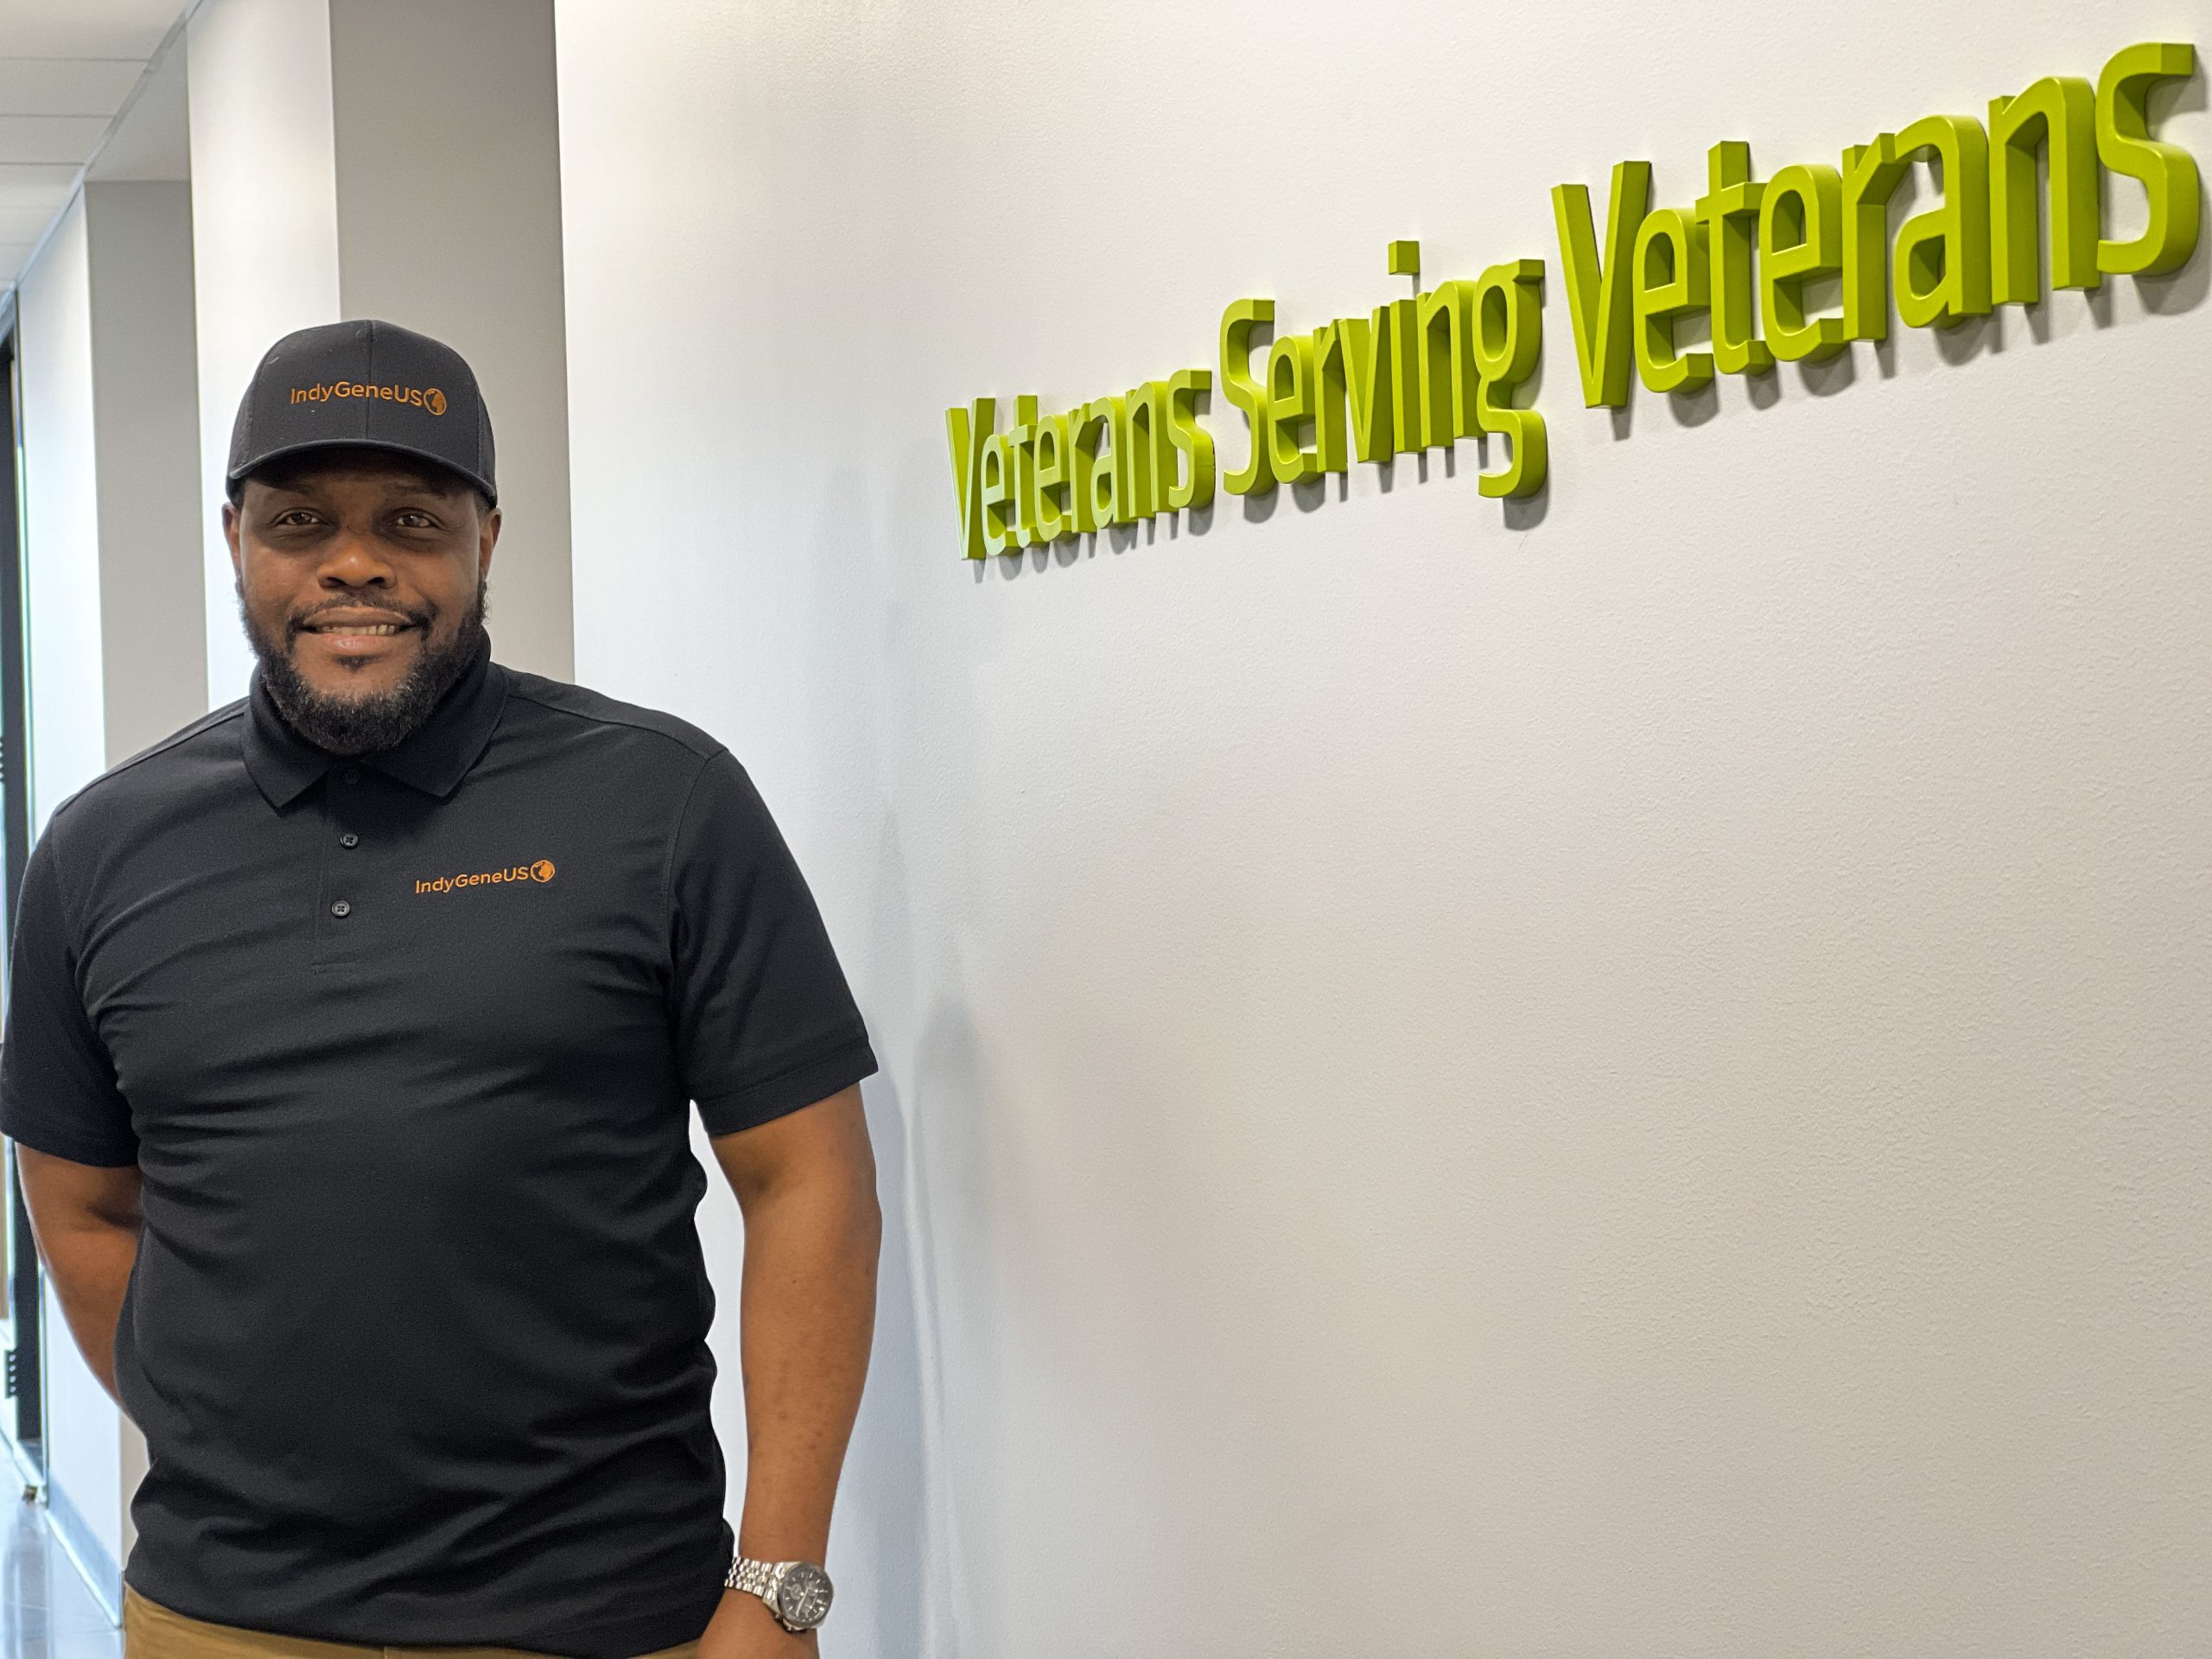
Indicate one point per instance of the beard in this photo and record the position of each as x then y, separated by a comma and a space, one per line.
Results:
383, 720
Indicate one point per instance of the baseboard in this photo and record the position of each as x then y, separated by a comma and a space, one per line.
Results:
84, 1550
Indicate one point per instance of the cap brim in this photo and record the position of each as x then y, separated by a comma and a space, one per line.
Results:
385, 444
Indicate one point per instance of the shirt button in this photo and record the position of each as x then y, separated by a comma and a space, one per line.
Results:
349, 839
341, 909
351, 775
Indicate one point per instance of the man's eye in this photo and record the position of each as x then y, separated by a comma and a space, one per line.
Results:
415, 521
296, 516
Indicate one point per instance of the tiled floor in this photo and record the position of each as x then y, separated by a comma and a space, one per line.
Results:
46, 1612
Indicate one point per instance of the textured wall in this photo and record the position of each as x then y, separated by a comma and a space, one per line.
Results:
1624, 1080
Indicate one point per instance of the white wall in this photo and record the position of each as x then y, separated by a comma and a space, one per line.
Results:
264, 225
147, 388
62, 596
68, 744
1623, 1080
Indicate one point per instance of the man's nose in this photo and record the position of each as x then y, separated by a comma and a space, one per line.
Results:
353, 560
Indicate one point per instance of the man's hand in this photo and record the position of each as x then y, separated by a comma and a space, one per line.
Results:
743, 1628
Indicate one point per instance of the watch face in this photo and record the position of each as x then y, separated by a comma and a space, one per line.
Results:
802, 1598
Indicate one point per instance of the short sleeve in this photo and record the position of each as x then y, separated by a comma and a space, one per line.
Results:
765, 1023
58, 1091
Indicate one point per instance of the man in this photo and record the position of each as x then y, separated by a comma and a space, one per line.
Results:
349, 1048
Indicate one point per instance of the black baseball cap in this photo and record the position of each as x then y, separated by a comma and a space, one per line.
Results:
365, 385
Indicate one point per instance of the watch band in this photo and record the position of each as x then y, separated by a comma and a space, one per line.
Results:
804, 1585
756, 1579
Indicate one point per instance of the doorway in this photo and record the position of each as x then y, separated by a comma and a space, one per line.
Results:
22, 1420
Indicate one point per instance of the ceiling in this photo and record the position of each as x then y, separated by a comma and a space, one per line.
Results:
65, 68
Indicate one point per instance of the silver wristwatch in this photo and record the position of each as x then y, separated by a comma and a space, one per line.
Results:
797, 1592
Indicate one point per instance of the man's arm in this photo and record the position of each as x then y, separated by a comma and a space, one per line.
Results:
806, 1312
86, 1220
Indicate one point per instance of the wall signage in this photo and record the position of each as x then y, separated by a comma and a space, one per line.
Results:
1452, 362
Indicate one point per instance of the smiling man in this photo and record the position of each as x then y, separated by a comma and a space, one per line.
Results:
350, 1044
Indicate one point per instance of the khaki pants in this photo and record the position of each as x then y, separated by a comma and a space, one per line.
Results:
152, 1631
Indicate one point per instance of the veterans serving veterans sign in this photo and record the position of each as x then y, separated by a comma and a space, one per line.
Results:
1451, 362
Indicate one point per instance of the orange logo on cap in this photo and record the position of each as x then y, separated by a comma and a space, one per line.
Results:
542, 870
422, 398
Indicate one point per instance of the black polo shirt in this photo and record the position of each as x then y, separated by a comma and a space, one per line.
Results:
403, 1045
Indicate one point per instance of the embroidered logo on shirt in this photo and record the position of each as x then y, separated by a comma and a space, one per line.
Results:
542, 871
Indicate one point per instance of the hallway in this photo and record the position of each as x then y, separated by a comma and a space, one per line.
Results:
46, 1612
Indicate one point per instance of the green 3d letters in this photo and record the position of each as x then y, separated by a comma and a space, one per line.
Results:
1238, 384
1446, 326
1150, 472
1801, 240
966, 432
1871, 174
2059, 116
1367, 384
1055, 515
1941, 258
1425, 369
1290, 408
1400, 322
998, 494
1507, 309
1670, 279
1108, 467
1086, 427
1598, 298
1731, 213
1329, 447
1193, 485
1019, 442
2167, 172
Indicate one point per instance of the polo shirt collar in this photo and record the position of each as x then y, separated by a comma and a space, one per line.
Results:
434, 758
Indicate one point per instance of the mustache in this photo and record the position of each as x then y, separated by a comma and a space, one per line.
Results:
300, 621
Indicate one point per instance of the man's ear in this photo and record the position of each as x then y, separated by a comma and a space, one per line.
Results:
488, 538
231, 535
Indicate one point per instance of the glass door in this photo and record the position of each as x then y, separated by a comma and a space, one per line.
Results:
23, 1421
